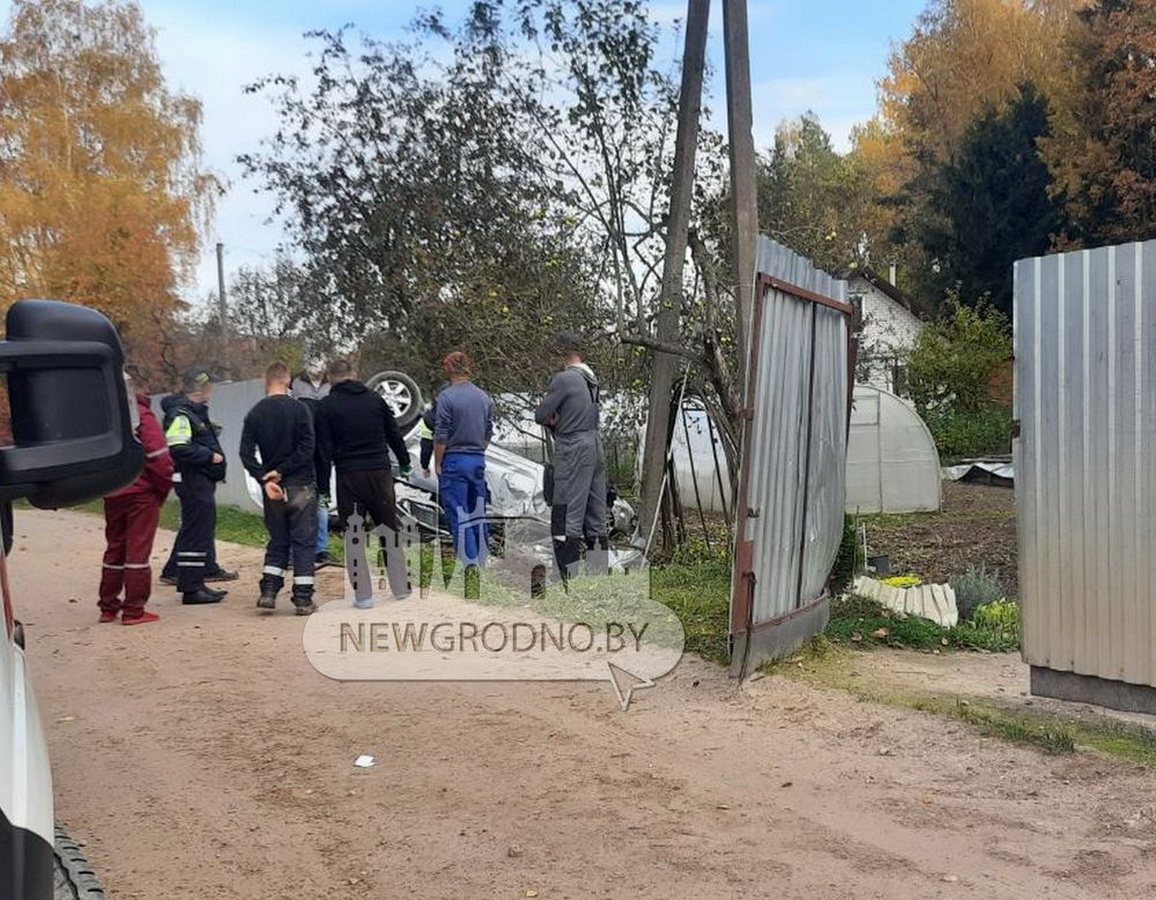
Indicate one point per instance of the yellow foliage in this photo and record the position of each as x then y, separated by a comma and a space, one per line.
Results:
101, 195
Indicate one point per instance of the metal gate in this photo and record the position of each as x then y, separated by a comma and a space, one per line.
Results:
791, 487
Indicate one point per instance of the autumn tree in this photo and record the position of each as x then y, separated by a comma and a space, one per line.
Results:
1103, 152
964, 60
101, 190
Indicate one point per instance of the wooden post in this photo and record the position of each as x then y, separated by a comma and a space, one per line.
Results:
664, 371
744, 211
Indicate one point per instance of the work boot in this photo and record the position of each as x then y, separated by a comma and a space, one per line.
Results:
269, 588
197, 598
567, 556
303, 600
222, 575
170, 580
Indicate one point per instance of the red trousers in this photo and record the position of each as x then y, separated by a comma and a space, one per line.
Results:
130, 525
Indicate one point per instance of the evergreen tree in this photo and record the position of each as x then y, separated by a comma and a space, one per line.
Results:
992, 203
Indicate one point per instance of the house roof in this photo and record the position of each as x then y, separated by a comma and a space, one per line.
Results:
880, 284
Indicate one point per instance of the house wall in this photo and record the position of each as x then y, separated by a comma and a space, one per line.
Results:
887, 333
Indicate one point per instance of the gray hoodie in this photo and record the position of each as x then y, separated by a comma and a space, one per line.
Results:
574, 396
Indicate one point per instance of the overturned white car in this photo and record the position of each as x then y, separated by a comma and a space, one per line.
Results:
516, 504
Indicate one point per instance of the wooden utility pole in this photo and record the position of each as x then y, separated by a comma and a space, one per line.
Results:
665, 367
744, 205
221, 302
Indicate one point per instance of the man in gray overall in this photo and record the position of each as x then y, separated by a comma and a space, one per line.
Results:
571, 411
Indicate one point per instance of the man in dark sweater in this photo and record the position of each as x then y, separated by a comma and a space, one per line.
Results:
571, 410
462, 430
356, 431
280, 429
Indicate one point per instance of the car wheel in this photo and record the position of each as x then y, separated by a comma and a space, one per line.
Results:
74, 878
401, 393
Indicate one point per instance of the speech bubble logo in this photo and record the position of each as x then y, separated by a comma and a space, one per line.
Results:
598, 627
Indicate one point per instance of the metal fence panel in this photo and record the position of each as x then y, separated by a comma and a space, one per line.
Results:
1085, 401
794, 471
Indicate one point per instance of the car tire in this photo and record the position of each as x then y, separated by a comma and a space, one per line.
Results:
73, 876
401, 393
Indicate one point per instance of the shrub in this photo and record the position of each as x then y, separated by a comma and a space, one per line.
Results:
953, 372
1002, 615
974, 589
849, 560
966, 435
955, 359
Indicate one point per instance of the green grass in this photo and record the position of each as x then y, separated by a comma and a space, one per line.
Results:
864, 623
696, 585
825, 663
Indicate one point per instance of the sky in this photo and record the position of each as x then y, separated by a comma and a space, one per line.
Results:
820, 55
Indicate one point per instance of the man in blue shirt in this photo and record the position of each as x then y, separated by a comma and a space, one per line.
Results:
463, 427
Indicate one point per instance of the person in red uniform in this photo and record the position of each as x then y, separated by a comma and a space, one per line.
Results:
131, 516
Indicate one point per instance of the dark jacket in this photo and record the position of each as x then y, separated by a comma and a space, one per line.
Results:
321, 468
281, 428
356, 429
192, 438
156, 477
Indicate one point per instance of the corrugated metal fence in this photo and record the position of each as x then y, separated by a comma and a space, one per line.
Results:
790, 518
1085, 471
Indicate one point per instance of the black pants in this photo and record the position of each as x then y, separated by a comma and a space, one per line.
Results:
369, 492
292, 527
193, 548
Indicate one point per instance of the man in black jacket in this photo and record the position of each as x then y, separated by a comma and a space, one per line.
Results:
281, 430
356, 430
199, 463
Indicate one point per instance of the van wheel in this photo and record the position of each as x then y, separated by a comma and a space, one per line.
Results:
401, 394
74, 878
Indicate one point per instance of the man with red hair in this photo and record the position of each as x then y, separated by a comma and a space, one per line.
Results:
462, 430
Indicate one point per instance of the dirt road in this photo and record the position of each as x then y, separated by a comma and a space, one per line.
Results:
202, 757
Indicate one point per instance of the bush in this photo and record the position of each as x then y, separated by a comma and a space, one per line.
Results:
849, 561
967, 435
952, 376
976, 588
1002, 615
954, 360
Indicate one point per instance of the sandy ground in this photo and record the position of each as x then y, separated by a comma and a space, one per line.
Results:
202, 757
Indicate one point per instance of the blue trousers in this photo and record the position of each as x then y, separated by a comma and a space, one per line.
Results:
463, 493
322, 528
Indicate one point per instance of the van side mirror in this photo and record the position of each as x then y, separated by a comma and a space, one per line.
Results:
71, 423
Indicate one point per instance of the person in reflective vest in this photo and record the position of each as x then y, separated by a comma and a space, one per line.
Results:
131, 516
200, 463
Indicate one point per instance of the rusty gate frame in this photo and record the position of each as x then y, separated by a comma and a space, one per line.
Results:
811, 616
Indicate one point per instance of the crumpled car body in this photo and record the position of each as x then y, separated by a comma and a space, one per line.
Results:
517, 502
